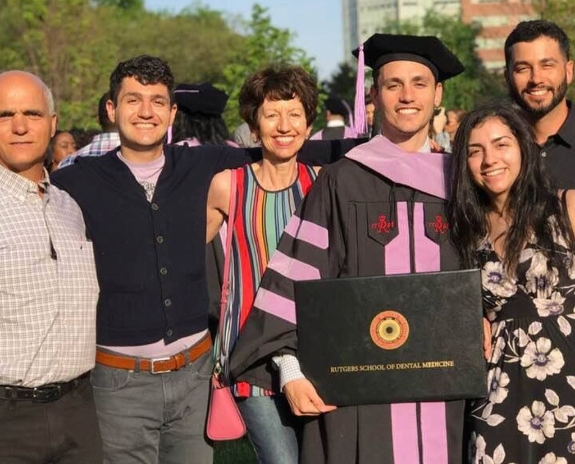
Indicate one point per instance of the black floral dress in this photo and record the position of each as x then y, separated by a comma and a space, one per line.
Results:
529, 414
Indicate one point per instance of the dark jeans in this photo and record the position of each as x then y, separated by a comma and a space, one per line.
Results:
64, 431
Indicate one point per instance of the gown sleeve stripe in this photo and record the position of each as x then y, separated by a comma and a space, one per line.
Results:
292, 268
276, 305
307, 231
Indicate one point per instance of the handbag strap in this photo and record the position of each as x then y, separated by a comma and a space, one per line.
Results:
227, 258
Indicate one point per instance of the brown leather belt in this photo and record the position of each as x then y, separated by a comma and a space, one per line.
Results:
156, 365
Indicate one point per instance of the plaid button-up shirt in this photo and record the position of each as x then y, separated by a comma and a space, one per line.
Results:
48, 285
100, 145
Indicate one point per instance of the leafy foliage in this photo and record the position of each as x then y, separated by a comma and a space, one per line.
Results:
342, 83
561, 12
61, 41
263, 44
128, 5
74, 45
475, 85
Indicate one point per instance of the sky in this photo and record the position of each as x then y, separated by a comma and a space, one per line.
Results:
317, 24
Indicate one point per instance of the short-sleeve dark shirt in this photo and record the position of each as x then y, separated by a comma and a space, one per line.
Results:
558, 153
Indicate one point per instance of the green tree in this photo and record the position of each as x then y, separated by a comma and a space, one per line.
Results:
561, 12
262, 44
128, 5
475, 85
73, 45
65, 43
342, 82
197, 43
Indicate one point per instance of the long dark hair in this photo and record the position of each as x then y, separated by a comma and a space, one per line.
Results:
531, 203
209, 130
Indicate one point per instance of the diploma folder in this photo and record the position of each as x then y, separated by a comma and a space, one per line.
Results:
398, 338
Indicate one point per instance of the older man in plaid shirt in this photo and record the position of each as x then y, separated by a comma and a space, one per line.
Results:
48, 294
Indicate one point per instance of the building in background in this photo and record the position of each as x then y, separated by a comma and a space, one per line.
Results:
497, 18
362, 18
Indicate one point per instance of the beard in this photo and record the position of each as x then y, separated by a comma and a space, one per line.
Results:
539, 110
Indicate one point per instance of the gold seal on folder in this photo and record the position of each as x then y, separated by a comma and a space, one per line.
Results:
389, 330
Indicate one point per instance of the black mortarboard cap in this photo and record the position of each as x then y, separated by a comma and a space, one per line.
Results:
380, 49
201, 98
336, 105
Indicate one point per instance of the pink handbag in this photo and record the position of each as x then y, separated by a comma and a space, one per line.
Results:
225, 421
224, 418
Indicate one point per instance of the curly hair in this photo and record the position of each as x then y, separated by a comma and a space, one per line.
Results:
146, 70
278, 82
532, 201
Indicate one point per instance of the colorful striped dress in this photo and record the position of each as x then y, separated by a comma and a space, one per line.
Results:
259, 221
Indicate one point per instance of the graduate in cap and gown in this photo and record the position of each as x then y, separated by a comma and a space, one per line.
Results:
379, 210
336, 112
199, 118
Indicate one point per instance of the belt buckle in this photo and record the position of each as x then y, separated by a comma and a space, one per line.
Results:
153, 370
10, 393
50, 393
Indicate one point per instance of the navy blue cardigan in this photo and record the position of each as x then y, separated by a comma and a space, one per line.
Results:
150, 256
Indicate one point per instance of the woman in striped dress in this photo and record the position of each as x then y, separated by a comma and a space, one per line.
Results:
279, 105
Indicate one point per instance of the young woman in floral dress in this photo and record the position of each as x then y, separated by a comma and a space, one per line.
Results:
508, 220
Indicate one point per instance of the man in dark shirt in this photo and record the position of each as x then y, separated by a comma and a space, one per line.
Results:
144, 205
538, 71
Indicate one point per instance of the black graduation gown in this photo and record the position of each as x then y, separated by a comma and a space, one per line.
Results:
350, 225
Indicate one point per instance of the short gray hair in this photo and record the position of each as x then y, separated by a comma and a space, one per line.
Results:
49, 98
45, 89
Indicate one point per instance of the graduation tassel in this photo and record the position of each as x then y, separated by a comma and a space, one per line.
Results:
360, 123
